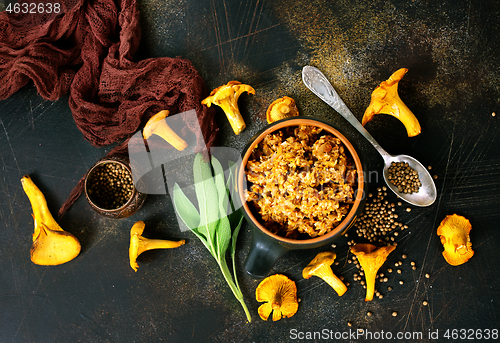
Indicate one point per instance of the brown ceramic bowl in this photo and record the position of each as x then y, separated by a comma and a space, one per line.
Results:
267, 247
128, 206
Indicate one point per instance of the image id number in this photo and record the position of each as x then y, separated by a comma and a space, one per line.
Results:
471, 334
26, 8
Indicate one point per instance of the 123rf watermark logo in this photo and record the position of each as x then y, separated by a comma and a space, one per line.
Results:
367, 335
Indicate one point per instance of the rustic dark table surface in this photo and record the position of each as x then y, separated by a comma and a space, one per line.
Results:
451, 49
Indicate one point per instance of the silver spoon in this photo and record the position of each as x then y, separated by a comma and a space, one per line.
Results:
319, 85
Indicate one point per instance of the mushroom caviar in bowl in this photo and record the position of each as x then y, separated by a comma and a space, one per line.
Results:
301, 186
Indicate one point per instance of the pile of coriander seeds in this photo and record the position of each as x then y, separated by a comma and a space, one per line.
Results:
404, 177
110, 185
379, 219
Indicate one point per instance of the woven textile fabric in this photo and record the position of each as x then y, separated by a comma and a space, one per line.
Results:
86, 50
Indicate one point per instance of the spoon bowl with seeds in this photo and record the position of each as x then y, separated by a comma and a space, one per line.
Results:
419, 189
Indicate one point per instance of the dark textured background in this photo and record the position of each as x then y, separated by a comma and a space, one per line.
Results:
452, 51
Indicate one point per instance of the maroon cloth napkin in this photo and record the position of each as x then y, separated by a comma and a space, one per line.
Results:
87, 49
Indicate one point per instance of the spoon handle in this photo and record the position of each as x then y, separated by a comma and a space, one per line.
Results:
319, 85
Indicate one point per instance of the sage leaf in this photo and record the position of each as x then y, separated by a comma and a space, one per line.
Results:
185, 208
224, 229
206, 193
235, 238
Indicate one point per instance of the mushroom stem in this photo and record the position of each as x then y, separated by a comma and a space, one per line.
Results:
150, 244
326, 273
370, 278
165, 132
233, 115
41, 213
157, 125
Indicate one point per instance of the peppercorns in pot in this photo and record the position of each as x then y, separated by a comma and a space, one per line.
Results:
404, 177
110, 185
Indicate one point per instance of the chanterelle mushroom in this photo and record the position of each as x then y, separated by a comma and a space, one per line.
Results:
454, 234
157, 125
51, 244
320, 267
371, 259
281, 108
226, 97
139, 244
280, 295
385, 99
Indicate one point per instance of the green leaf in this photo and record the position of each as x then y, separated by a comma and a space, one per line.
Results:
188, 213
233, 252
185, 208
206, 193
235, 237
223, 235
221, 187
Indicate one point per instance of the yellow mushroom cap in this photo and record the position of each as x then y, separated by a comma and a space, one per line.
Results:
133, 251
385, 99
454, 234
280, 295
54, 247
153, 123
284, 107
226, 96
324, 258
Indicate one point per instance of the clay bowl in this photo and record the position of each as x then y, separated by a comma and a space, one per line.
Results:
266, 246
128, 204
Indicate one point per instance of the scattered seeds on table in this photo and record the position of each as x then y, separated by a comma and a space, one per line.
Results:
378, 219
425, 303
427, 275
394, 314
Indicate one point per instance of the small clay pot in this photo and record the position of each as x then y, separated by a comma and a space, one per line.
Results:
133, 203
267, 247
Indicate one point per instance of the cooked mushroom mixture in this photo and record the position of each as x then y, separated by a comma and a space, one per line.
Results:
303, 182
